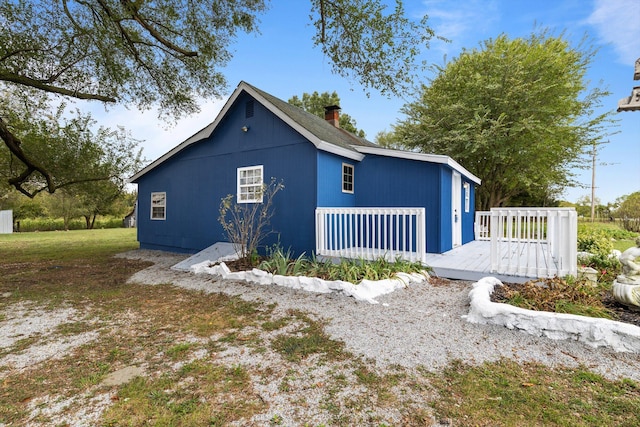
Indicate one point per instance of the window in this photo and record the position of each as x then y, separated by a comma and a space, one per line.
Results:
347, 178
250, 184
467, 195
158, 205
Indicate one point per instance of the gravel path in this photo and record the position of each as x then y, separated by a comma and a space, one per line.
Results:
421, 325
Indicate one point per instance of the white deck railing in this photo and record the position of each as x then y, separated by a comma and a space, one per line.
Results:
371, 233
539, 242
482, 225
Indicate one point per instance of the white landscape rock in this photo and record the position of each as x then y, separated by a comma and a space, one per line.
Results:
367, 290
622, 337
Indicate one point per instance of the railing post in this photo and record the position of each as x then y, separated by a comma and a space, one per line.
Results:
572, 241
494, 223
319, 231
422, 235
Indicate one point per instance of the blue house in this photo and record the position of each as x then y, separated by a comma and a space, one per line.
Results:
257, 136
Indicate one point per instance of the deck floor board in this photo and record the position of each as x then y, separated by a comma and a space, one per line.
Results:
472, 261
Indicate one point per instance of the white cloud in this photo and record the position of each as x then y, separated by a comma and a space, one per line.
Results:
157, 136
618, 23
460, 22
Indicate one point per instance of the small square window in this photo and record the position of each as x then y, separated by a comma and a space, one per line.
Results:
250, 184
158, 206
347, 178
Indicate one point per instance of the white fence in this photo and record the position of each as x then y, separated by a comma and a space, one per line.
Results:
371, 233
6, 222
539, 242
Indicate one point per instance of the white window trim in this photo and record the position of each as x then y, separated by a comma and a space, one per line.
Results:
241, 186
353, 178
164, 205
467, 196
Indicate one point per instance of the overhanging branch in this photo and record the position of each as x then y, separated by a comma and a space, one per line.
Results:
133, 9
37, 84
13, 143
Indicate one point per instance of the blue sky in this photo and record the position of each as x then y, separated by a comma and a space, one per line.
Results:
282, 61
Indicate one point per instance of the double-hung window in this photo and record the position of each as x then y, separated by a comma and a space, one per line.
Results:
159, 205
250, 182
347, 178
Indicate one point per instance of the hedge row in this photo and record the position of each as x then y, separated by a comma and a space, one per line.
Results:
54, 224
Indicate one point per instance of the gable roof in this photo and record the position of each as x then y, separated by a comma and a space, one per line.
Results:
323, 135
318, 131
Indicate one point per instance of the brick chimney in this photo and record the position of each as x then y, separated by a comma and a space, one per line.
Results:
332, 115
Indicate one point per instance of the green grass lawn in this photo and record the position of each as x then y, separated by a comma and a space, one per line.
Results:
66, 245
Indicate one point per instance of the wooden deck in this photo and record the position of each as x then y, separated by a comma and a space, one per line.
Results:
472, 261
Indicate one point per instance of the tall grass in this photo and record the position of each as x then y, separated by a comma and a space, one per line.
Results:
279, 262
53, 224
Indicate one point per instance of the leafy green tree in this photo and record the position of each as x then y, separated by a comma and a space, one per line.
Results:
64, 204
170, 53
583, 206
314, 103
118, 160
518, 113
68, 144
628, 211
98, 198
388, 140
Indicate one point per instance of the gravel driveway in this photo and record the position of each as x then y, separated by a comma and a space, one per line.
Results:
421, 325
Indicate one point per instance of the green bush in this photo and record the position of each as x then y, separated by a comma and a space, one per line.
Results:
57, 224
599, 245
595, 242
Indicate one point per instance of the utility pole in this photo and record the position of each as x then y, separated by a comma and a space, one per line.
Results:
593, 182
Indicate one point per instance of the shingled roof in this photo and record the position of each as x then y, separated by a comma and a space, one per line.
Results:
314, 124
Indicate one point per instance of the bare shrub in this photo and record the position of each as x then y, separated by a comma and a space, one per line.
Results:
246, 223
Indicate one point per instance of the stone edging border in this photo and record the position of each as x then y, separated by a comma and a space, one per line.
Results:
367, 290
621, 337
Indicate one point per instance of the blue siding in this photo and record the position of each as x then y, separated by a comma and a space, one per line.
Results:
196, 179
392, 182
330, 181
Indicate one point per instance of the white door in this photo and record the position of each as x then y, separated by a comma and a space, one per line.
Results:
456, 209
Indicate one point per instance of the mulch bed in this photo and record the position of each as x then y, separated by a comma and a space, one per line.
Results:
621, 312
242, 264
